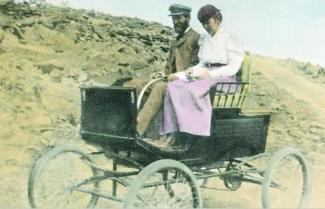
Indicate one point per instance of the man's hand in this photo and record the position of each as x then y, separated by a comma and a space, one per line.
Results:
172, 77
158, 75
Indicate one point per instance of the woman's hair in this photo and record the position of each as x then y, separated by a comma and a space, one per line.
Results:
208, 11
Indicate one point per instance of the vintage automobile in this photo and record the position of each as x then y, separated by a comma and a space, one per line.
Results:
137, 174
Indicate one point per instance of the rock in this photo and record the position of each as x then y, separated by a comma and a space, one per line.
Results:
71, 119
152, 59
17, 32
138, 65
164, 49
37, 91
56, 75
313, 130
2, 35
83, 77
322, 71
123, 63
147, 42
127, 50
311, 69
46, 68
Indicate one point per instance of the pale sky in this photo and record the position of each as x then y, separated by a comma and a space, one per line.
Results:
278, 28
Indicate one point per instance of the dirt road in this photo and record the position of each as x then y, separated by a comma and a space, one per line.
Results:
295, 84
305, 101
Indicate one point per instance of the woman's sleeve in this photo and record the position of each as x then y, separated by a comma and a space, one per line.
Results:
235, 56
181, 75
200, 52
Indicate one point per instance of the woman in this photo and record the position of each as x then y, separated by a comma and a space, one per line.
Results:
187, 104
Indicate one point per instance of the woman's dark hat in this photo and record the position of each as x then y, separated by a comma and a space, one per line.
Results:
178, 9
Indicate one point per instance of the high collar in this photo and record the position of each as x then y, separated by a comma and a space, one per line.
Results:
217, 34
187, 29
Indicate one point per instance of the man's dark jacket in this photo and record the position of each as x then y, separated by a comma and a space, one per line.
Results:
183, 52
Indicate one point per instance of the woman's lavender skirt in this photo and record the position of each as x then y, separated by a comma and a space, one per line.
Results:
187, 106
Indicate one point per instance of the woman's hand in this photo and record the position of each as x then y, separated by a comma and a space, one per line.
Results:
172, 77
189, 74
204, 75
197, 73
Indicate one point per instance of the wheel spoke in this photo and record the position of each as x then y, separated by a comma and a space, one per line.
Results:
289, 184
154, 192
143, 202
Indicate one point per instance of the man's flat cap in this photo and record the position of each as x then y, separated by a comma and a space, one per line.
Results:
178, 9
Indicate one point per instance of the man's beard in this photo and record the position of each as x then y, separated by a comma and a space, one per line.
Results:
180, 28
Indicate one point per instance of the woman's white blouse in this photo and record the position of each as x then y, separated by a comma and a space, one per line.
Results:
222, 48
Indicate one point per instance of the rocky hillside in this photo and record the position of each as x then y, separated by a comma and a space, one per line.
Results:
46, 52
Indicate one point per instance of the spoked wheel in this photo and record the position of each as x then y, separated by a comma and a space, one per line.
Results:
177, 188
56, 179
287, 180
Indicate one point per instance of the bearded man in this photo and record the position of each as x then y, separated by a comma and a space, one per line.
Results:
182, 54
